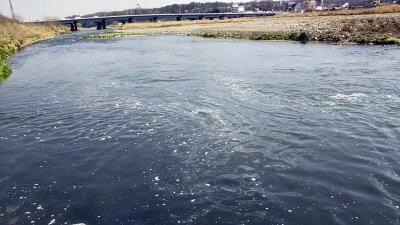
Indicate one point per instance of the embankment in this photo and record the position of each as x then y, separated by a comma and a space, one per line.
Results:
14, 35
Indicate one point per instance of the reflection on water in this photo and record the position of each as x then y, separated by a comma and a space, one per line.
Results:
183, 130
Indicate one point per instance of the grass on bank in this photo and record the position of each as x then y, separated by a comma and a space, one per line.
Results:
14, 35
112, 34
376, 10
270, 36
388, 40
298, 36
5, 51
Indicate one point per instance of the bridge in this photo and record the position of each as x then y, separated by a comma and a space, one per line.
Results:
102, 22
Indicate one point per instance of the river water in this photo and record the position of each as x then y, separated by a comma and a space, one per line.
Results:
187, 130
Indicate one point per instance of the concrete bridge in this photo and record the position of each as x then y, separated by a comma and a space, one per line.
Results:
102, 22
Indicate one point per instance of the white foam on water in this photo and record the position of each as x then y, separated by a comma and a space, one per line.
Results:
349, 97
393, 97
53, 221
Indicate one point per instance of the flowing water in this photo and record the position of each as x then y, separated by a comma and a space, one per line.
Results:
186, 130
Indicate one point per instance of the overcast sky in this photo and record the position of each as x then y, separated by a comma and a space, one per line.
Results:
61, 8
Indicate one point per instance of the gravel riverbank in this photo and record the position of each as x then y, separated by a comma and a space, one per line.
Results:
374, 28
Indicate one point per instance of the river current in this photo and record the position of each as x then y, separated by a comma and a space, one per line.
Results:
185, 130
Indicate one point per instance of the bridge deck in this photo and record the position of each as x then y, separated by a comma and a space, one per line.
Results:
103, 21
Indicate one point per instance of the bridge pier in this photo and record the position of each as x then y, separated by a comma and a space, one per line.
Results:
98, 26
179, 18
101, 25
201, 17
222, 17
74, 26
130, 20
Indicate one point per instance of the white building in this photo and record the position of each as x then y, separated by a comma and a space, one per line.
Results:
236, 8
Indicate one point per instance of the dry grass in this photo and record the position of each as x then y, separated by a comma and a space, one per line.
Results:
20, 34
15, 34
376, 10
162, 24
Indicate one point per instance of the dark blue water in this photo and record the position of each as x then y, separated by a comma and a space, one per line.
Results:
185, 130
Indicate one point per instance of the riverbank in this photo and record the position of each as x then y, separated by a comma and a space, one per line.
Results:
382, 28
14, 35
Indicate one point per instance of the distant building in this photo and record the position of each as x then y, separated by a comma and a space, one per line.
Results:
299, 7
309, 5
320, 2
376, 2
236, 8
281, 2
290, 6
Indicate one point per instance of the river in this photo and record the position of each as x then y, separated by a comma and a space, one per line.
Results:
186, 130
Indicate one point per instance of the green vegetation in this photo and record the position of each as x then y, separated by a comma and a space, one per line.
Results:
5, 51
291, 36
299, 36
5, 70
112, 34
389, 40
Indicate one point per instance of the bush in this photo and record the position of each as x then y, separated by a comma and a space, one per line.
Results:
5, 69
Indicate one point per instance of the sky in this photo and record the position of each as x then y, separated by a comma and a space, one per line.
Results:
40, 9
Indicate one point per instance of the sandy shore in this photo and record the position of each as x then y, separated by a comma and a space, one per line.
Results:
343, 28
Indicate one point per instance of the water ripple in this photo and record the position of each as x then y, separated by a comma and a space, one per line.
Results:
161, 130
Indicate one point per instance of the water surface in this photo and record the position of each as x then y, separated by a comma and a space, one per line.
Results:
186, 130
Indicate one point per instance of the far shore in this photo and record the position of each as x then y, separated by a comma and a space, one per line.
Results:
378, 26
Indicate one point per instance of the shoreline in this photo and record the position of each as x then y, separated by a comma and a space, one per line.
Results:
376, 29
